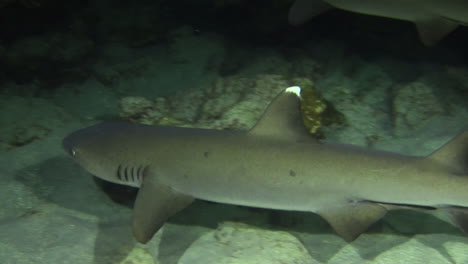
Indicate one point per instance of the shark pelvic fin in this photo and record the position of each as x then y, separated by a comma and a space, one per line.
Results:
431, 31
454, 154
352, 219
283, 117
155, 203
303, 10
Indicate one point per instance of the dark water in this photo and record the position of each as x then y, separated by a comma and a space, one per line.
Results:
211, 64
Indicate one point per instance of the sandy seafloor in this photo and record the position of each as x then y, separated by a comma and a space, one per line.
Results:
52, 211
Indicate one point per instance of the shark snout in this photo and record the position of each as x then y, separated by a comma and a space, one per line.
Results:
67, 145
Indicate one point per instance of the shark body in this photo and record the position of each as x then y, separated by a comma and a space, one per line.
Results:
276, 164
433, 18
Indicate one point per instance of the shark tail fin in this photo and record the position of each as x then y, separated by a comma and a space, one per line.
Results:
454, 155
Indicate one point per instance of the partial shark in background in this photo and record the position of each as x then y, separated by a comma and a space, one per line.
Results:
434, 19
277, 165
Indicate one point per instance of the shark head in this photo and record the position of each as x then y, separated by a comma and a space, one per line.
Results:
84, 146
95, 150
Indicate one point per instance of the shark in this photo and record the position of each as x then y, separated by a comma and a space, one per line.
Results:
434, 19
276, 164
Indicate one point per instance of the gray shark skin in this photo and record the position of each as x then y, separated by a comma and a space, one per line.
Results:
276, 164
434, 19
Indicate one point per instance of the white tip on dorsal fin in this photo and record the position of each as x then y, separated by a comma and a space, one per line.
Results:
295, 90
283, 117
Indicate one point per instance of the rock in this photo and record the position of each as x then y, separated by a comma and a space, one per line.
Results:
459, 76
35, 51
88, 100
28, 57
414, 105
141, 110
28, 120
237, 243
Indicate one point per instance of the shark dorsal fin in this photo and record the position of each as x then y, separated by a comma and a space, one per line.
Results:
283, 117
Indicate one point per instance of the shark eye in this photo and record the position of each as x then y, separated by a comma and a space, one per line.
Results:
72, 152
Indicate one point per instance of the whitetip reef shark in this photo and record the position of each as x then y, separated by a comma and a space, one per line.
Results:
434, 19
277, 164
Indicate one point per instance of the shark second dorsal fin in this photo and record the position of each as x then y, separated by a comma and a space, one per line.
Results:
303, 10
454, 154
155, 204
352, 219
283, 117
431, 31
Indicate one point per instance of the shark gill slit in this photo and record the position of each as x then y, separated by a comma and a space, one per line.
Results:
132, 173
142, 170
119, 176
126, 174
139, 173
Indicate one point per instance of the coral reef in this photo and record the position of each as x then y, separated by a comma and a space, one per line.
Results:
141, 110
316, 111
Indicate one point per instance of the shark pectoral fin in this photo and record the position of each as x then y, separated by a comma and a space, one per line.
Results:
155, 203
303, 10
352, 219
431, 31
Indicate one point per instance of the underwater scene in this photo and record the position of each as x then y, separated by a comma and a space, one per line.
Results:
233, 132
